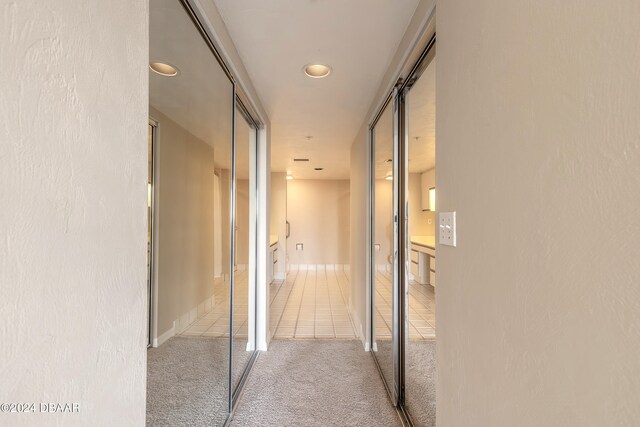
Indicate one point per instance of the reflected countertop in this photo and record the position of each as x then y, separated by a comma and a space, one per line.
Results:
426, 241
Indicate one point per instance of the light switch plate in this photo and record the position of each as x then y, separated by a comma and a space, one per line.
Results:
447, 228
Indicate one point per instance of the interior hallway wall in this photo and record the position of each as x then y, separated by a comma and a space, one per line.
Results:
419, 219
278, 219
185, 225
539, 304
242, 224
73, 167
318, 211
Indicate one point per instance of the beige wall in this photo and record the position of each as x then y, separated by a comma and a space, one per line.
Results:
279, 218
539, 155
73, 167
419, 219
242, 223
318, 211
383, 217
185, 226
359, 235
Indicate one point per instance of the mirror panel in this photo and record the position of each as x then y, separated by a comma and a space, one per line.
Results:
194, 112
244, 257
382, 240
420, 323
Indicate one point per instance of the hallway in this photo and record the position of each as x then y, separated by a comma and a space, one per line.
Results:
311, 304
315, 383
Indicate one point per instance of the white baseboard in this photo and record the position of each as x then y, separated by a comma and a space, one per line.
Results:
186, 319
157, 342
319, 267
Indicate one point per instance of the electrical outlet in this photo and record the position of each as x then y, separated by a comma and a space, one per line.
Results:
447, 228
377, 246
299, 247
429, 221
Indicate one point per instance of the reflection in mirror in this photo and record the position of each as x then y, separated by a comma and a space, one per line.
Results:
420, 396
243, 282
382, 240
189, 373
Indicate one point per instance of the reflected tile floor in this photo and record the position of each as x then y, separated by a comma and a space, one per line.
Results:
422, 308
215, 323
311, 304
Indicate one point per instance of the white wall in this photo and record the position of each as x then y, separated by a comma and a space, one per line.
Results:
73, 167
318, 211
539, 154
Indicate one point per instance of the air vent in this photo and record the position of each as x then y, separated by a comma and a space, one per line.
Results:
318, 169
300, 160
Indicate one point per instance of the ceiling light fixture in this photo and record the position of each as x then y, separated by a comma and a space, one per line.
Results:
317, 71
164, 69
289, 177
389, 176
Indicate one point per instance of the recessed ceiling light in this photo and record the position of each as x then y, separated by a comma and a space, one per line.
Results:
317, 71
289, 176
164, 69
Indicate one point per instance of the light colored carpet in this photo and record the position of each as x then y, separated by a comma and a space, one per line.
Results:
187, 382
315, 383
420, 387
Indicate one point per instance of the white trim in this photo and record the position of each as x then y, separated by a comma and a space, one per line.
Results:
157, 342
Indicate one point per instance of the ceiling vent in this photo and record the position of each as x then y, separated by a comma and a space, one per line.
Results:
300, 160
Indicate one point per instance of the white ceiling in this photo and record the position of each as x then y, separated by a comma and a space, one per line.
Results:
421, 112
276, 38
200, 97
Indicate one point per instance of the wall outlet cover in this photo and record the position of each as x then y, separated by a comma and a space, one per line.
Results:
447, 228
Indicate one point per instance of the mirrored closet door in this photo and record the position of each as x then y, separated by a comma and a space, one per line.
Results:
204, 192
403, 248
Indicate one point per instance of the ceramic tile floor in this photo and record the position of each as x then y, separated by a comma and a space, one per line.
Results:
311, 304
215, 323
422, 309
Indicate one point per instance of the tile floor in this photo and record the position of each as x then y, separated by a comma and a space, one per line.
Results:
215, 323
422, 309
311, 304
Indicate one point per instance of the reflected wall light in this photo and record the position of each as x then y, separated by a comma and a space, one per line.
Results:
432, 199
389, 176
164, 69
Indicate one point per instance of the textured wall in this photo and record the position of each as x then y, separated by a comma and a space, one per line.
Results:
539, 154
318, 211
73, 167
